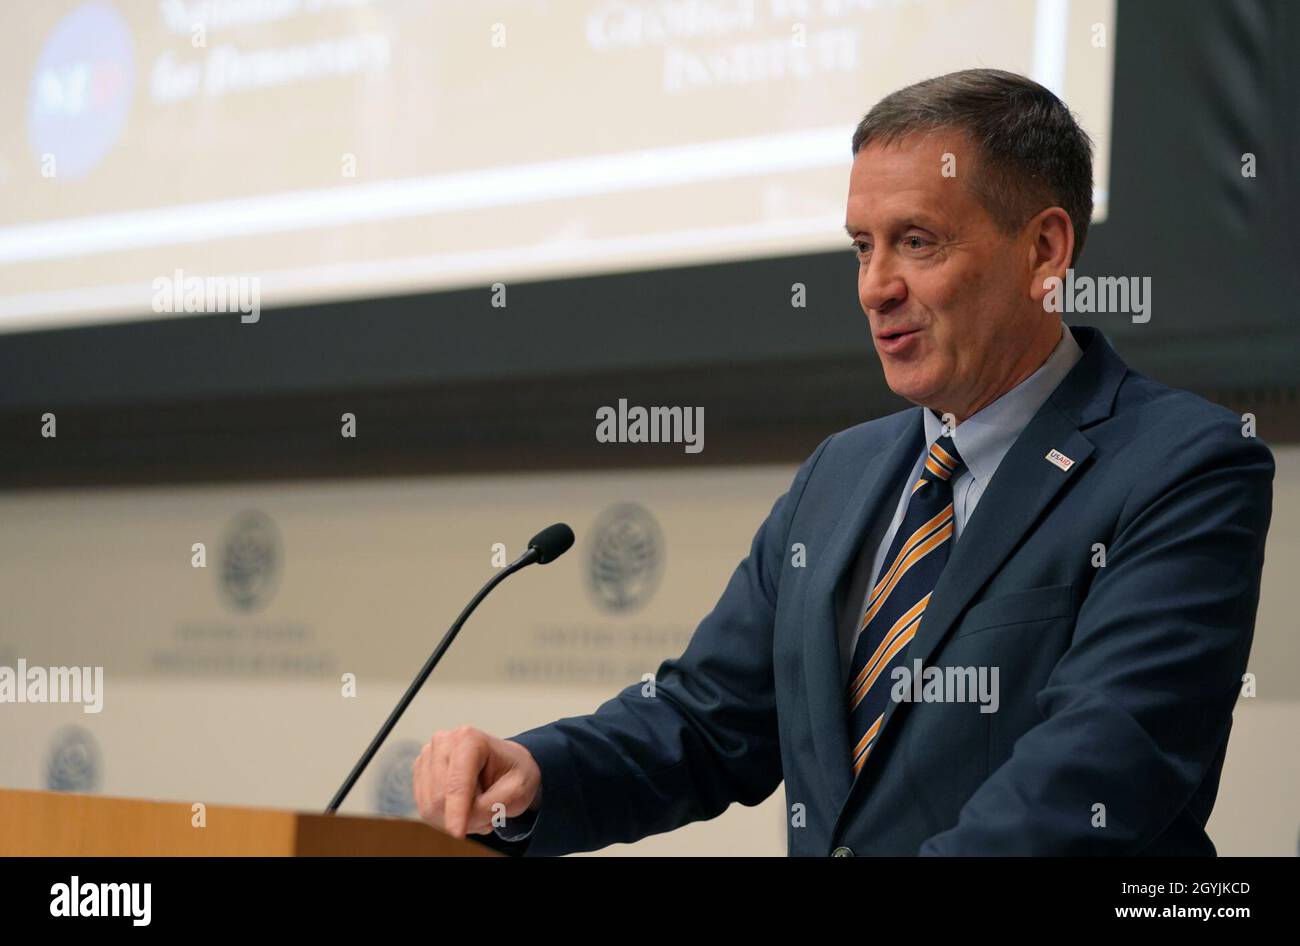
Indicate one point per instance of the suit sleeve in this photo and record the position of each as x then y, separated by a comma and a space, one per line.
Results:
644, 764
1139, 706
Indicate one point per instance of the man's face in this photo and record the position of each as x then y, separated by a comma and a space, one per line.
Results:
946, 292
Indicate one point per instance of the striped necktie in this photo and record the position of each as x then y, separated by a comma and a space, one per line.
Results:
911, 569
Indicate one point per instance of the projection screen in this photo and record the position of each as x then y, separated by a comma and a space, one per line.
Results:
336, 149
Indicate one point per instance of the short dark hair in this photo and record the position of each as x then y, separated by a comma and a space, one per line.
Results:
1033, 154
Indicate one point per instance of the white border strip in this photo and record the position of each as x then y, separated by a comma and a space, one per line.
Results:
1051, 36
362, 280
414, 197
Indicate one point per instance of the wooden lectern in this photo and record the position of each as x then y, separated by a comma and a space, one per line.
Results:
54, 824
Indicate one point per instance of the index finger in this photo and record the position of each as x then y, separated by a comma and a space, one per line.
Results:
464, 764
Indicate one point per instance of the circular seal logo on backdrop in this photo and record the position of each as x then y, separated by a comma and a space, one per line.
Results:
250, 561
74, 762
625, 557
81, 89
393, 794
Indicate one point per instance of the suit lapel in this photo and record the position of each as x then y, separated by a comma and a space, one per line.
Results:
875, 495
1024, 485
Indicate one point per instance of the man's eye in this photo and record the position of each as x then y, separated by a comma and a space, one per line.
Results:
860, 248
915, 242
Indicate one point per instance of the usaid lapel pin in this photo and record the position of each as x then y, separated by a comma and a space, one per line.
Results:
1059, 459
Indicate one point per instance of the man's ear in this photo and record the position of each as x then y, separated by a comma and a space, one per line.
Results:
1051, 246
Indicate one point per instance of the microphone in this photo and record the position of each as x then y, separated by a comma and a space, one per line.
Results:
543, 548
550, 543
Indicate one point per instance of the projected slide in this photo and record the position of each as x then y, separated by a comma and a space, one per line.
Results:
345, 148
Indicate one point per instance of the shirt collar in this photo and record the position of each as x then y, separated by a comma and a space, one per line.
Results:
984, 438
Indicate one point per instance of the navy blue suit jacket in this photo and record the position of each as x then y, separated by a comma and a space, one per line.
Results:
1116, 683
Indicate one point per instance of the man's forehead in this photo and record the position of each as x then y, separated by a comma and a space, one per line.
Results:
883, 200
916, 175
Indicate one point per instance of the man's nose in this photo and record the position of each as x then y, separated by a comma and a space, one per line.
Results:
881, 287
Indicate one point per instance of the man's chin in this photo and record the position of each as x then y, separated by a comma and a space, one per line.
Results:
912, 388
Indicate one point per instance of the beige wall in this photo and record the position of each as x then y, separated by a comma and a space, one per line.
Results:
205, 702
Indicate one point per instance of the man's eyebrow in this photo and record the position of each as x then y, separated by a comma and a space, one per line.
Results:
920, 220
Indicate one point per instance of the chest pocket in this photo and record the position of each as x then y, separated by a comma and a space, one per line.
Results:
1019, 607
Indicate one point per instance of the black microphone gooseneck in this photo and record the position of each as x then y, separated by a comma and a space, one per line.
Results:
543, 548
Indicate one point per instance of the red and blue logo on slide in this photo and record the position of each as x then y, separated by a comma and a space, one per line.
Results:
81, 90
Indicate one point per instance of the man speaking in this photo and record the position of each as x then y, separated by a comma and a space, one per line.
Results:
1024, 606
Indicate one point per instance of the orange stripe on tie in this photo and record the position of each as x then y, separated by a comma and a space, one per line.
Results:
943, 456
906, 559
936, 468
912, 541
912, 613
864, 745
901, 641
